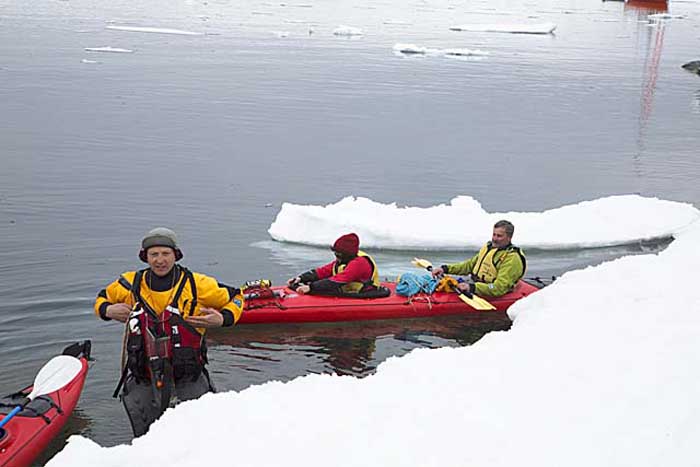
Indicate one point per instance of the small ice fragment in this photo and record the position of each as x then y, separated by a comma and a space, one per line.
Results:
465, 52
155, 30
409, 49
347, 31
108, 49
539, 28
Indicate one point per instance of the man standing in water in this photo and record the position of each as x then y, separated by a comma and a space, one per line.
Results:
168, 309
495, 269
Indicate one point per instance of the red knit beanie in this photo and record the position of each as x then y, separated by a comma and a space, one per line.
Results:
348, 244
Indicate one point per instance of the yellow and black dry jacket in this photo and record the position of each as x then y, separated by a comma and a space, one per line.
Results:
207, 292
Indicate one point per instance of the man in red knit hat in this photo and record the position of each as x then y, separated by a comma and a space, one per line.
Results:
352, 272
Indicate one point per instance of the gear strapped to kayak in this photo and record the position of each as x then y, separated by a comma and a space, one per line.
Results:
163, 353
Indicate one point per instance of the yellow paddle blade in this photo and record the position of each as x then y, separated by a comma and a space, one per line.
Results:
422, 263
484, 303
476, 302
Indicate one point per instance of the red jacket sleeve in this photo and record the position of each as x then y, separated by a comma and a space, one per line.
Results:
324, 272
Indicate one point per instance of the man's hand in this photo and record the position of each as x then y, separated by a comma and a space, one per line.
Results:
465, 287
293, 281
209, 318
303, 289
118, 311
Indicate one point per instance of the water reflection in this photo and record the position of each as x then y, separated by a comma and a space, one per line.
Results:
343, 348
653, 32
695, 105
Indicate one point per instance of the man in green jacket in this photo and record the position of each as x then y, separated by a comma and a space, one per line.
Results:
495, 269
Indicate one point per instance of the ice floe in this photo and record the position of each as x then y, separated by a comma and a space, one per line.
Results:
347, 31
538, 28
464, 224
154, 30
412, 49
397, 22
109, 49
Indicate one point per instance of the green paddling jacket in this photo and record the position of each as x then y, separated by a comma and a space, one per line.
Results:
495, 270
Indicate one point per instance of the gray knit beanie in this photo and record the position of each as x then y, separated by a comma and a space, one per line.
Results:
160, 236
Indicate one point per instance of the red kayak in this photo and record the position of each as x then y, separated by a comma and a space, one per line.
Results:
282, 305
26, 435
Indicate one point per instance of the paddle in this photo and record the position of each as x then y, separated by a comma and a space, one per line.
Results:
472, 300
57, 372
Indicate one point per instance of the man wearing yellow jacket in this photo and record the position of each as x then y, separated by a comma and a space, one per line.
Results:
495, 269
168, 309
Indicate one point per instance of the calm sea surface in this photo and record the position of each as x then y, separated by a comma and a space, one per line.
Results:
209, 134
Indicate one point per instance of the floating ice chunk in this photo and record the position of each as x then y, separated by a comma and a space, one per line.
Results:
155, 30
535, 28
412, 49
614, 220
85, 60
109, 49
494, 12
397, 22
347, 31
465, 52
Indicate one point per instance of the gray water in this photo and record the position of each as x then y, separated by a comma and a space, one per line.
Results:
210, 134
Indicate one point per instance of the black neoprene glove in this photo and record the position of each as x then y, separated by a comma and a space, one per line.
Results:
308, 276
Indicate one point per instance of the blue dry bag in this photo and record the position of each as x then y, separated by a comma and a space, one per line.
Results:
410, 284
